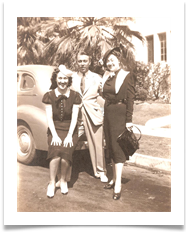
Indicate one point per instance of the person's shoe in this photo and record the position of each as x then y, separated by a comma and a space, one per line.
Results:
50, 191
103, 177
109, 186
97, 175
116, 196
64, 188
65, 193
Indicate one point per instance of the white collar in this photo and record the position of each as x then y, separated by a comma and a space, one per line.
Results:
67, 94
119, 79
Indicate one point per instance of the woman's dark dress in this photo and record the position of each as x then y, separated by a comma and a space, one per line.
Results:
62, 113
117, 114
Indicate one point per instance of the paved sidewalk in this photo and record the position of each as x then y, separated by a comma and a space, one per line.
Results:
159, 122
150, 161
158, 132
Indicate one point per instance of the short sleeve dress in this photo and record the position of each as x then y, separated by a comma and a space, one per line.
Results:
62, 114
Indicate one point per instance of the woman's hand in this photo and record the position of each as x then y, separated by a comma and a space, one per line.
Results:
56, 141
68, 141
129, 126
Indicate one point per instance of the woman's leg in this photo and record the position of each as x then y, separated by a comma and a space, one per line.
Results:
54, 164
118, 173
68, 175
114, 173
65, 167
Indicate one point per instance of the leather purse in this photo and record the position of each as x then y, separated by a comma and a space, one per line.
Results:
128, 142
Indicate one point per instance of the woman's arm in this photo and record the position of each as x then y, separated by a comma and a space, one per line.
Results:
130, 100
68, 139
74, 119
55, 138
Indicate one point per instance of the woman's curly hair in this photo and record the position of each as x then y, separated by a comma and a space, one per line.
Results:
54, 79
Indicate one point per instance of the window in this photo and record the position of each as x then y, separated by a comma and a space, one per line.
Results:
18, 81
18, 77
162, 38
27, 82
150, 48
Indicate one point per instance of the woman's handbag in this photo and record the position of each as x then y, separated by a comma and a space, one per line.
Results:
128, 142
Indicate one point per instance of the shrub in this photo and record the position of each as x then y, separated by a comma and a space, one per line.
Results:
141, 71
153, 81
141, 93
160, 82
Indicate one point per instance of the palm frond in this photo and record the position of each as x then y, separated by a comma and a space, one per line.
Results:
65, 45
39, 46
81, 19
139, 36
98, 21
106, 21
93, 31
83, 32
53, 40
52, 43
125, 31
109, 33
124, 40
105, 46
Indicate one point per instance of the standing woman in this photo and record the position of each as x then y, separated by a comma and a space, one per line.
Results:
62, 107
119, 93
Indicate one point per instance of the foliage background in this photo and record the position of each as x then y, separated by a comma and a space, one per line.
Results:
54, 41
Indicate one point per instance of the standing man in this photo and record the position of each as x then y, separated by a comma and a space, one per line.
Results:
88, 85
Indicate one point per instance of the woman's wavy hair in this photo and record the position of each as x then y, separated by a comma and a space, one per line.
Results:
54, 77
116, 52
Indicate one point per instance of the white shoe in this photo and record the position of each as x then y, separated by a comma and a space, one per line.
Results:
64, 188
97, 175
50, 191
103, 177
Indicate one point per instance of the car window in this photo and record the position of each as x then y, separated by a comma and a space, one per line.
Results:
18, 81
27, 82
18, 77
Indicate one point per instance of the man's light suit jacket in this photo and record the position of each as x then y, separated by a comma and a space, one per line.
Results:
89, 96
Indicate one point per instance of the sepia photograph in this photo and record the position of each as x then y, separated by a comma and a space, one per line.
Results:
93, 117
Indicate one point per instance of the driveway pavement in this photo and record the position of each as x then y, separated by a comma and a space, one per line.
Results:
143, 190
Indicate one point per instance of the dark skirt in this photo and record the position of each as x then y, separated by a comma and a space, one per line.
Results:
61, 151
114, 124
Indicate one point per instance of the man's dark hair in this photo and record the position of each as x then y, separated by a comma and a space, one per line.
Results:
81, 53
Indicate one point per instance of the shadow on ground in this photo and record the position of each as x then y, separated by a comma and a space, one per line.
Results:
81, 163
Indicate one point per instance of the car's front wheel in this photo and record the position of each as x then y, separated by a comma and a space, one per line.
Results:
25, 144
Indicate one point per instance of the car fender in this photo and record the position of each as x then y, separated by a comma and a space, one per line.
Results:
37, 121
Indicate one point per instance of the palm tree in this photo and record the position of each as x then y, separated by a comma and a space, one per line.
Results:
29, 44
96, 35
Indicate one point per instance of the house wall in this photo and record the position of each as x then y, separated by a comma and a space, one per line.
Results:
152, 26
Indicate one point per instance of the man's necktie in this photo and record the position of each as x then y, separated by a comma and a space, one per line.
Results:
82, 86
